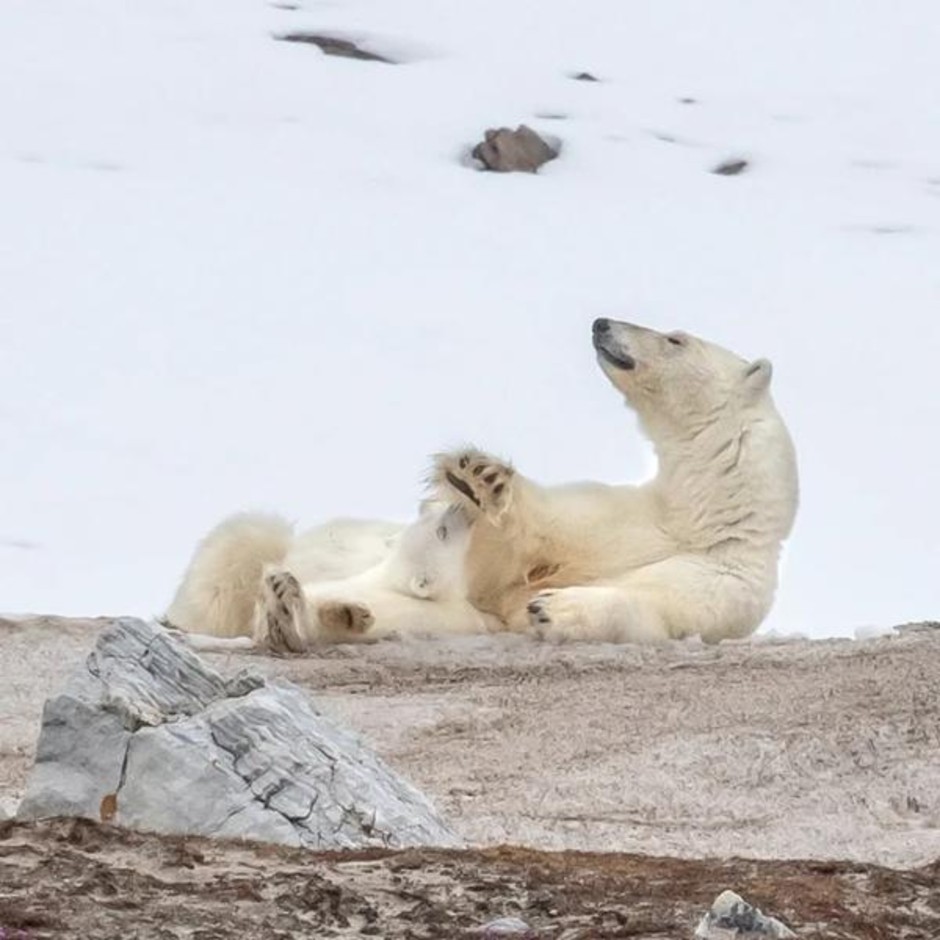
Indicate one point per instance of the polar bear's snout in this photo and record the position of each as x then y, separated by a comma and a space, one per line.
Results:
610, 343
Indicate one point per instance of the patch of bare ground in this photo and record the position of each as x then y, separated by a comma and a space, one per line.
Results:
759, 749
80, 879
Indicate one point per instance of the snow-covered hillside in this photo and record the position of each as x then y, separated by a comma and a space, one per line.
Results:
239, 273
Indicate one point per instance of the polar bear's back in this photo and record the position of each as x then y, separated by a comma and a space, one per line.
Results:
341, 548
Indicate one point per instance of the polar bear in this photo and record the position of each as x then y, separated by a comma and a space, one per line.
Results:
250, 576
693, 551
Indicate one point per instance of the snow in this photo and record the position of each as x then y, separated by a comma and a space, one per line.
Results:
238, 273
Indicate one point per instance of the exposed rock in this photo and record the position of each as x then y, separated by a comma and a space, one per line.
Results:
584, 77
731, 167
732, 918
505, 151
507, 927
333, 45
147, 736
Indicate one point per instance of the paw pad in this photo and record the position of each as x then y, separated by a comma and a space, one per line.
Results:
477, 478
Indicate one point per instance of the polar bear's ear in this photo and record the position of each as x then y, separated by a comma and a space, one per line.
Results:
757, 375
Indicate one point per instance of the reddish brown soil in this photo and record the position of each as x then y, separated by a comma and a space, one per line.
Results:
70, 878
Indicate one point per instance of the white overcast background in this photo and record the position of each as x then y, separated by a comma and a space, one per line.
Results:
237, 273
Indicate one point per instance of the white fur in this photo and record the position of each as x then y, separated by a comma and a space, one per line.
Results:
412, 577
694, 551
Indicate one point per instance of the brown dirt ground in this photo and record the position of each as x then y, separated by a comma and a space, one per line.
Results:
706, 767
72, 878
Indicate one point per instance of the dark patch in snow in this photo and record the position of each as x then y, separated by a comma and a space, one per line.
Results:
893, 229
669, 138
884, 228
333, 45
585, 77
733, 166
23, 544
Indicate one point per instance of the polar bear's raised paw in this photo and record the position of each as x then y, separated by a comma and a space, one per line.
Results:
478, 480
281, 621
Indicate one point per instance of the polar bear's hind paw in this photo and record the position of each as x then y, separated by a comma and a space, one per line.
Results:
281, 622
345, 618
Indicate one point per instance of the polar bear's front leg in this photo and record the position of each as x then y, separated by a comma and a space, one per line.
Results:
595, 613
480, 482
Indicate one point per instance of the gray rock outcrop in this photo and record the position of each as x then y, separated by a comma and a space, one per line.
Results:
506, 151
147, 736
732, 918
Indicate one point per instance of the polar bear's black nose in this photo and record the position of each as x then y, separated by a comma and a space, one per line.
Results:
601, 325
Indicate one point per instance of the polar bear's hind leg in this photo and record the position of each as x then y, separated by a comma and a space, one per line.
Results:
221, 586
281, 622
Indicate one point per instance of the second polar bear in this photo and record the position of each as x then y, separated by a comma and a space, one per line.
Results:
693, 551
251, 576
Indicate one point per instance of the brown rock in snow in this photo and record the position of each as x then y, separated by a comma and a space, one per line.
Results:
520, 150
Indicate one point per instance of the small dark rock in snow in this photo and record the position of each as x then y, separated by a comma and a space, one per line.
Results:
585, 77
732, 918
731, 167
505, 151
331, 45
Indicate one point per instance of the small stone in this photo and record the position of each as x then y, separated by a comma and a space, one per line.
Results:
585, 77
731, 167
507, 927
732, 918
505, 151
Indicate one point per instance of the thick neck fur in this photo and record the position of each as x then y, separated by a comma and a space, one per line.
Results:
721, 486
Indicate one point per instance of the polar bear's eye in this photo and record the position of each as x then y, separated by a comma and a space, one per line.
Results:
676, 340
442, 532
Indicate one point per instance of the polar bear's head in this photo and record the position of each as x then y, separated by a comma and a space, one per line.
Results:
674, 380
428, 559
